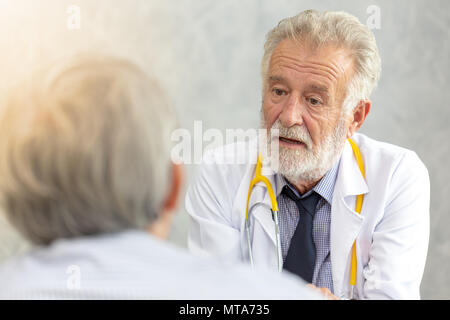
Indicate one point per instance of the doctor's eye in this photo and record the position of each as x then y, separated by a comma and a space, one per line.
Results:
278, 92
314, 102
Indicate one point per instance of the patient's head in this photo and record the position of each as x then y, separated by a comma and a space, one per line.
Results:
85, 149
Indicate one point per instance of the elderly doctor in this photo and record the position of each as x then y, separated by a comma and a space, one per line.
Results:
319, 69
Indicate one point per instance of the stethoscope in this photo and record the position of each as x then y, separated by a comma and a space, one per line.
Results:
261, 178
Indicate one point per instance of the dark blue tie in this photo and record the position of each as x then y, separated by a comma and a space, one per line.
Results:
301, 255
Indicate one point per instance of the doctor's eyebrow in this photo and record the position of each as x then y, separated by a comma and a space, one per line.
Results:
314, 87
319, 88
322, 90
279, 79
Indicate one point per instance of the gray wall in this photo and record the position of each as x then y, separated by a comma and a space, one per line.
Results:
207, 55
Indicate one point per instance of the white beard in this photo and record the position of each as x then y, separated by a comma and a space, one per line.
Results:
310, 164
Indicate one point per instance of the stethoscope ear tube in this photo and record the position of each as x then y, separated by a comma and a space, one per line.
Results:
247, 230
278, 239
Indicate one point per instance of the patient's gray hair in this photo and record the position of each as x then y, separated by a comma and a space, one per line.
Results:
84, 149
332, 28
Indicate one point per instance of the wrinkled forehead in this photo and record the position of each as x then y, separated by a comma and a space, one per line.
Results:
331, 63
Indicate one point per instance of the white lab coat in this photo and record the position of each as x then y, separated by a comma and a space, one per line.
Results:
391, 233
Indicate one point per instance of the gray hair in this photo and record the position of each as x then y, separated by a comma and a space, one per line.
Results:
84, 149
332, 28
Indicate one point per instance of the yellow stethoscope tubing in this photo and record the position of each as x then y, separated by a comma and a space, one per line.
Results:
358, 207
260, 178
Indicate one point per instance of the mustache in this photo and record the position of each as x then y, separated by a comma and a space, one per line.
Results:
296, 132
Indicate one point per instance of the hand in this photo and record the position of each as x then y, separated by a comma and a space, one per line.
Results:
324, 291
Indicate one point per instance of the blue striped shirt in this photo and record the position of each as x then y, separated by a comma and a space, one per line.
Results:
290, 216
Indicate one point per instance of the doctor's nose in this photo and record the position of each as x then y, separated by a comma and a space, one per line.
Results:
292, 113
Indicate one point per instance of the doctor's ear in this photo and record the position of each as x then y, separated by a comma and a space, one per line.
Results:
358, 116
175, 185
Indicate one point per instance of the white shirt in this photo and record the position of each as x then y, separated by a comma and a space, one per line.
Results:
135, 265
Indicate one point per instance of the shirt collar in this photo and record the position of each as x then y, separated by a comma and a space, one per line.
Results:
324, 187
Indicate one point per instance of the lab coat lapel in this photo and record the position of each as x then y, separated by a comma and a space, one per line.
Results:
264, 243
345, 221
260, 208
